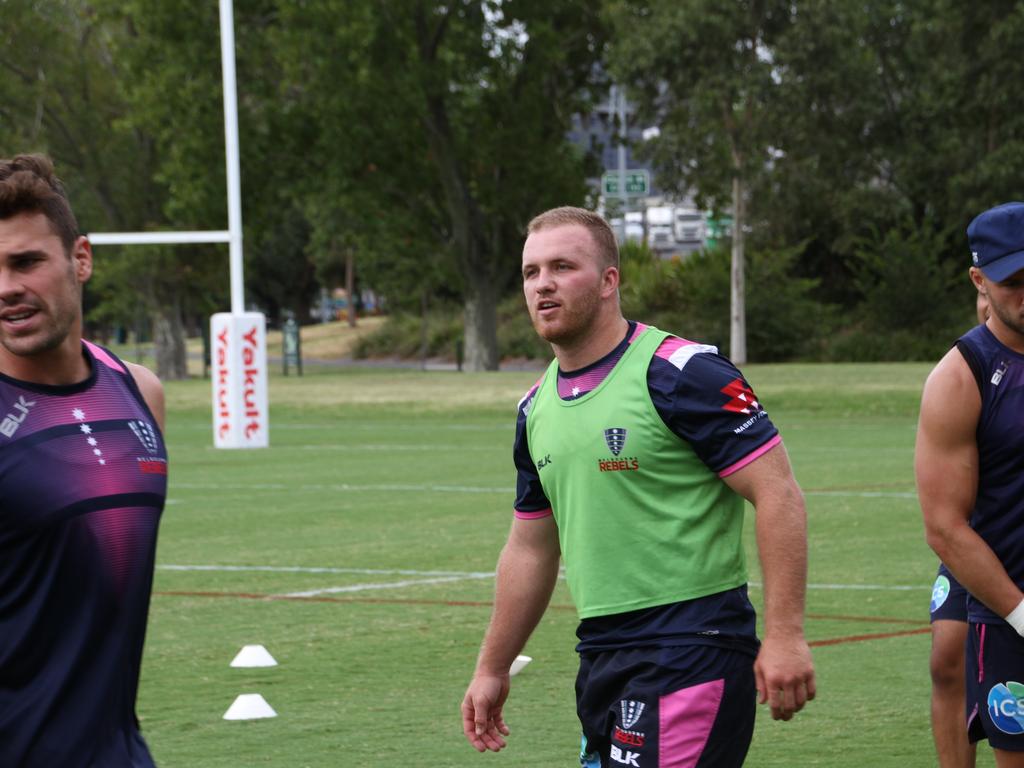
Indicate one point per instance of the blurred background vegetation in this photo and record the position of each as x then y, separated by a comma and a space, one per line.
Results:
403, 145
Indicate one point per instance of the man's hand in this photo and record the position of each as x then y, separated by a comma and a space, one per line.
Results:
482, 722
785, 675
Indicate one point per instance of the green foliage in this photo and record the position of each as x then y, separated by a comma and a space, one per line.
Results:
439, 130
691, 298
702, 71
651, 290
914, 302
402, 336
421, 137
410, 336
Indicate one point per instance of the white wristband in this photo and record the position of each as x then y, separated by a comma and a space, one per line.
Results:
1016, 618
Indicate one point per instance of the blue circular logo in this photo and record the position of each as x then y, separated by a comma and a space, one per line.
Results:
940, 591
1006, 707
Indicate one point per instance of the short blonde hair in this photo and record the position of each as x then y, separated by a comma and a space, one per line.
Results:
604, 237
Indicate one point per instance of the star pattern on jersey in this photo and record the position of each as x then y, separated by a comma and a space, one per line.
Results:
79, 415
575, 391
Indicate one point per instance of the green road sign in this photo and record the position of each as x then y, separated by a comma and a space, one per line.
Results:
638, 182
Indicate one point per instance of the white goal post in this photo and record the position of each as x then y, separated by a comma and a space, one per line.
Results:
238, 339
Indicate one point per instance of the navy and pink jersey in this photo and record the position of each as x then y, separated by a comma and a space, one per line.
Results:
705, 401
998, 514
83, 479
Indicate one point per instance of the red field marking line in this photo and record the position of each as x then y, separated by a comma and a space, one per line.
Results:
862, 638
327, 599
488, 604
866, 619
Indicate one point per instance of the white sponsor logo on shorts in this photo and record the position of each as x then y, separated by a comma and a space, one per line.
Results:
624, 756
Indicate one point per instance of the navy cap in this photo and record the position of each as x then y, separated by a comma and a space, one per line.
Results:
996, 238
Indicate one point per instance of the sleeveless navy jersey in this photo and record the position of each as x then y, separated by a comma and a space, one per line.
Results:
83, 478
704, 400
998, 514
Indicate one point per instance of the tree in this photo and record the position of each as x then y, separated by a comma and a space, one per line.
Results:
442, 130
703, 71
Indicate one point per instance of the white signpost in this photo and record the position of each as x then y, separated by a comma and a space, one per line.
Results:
239, 373
238, 339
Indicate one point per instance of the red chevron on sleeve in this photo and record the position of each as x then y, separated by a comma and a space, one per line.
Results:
741, 397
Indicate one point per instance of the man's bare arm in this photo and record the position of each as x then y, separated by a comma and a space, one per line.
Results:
527, 572
784, 670
152, 390
946, 468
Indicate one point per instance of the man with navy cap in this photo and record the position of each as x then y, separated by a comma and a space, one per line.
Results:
969, 463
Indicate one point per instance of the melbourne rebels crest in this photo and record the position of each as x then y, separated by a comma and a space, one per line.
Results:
615, 437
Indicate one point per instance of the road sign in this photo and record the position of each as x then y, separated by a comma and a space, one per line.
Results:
638, 182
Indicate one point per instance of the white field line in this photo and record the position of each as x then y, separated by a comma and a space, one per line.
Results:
866, 494
439, 577
866, 587
291, 487
386, 585
317, 569
421, 488
436, 577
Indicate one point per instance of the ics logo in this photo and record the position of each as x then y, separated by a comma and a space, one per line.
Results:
940, 591
1006, 707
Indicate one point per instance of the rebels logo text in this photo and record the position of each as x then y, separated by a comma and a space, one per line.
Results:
619, 465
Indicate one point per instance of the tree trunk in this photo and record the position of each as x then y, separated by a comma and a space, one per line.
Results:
350, 285
481, 324
738, 312
169, 341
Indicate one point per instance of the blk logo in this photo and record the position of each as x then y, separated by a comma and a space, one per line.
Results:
1000, 372
14, 420
624, 756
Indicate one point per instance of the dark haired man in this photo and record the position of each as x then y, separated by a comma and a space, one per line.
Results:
948, 614
83, 478
969, 462
634, 454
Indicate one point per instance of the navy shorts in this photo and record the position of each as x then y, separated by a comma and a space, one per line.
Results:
949, 598
995, 686
689, 705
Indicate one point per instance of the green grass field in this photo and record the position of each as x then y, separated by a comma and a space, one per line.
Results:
398, 486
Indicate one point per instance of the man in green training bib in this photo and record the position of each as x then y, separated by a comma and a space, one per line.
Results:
634, 453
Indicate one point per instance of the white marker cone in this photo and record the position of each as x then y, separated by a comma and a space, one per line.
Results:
249, 706
254, 656
518, 664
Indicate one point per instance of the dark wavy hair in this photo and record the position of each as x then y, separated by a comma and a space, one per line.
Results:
28, 185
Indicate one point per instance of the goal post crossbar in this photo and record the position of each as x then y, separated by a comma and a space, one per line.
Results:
159, 238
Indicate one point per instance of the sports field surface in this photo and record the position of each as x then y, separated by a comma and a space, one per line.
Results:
359, 550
